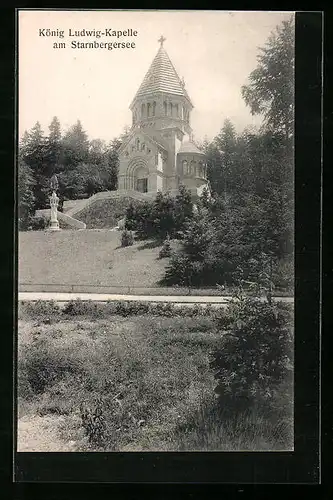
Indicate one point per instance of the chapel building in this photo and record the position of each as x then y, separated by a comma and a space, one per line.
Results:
158, 154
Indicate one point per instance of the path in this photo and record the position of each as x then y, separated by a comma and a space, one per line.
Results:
103, 297
36, 433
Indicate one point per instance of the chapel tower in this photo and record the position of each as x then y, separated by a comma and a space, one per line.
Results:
158, 154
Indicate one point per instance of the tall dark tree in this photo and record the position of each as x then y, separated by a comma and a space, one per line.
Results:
111, 162
270, 91
226, 143
76, 146
97, 148
26, 199
33, 151
54, 148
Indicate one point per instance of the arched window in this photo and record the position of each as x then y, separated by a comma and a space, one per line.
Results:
154, 108
165, 108
148, 109
170, 108
138, 144
143, 111
192, 167
143, 146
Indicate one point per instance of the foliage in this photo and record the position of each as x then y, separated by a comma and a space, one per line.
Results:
271, 88
93, 421
143, 385
166, 215
255, 354
39, 309
251, 175
38, 223
83, 167
49, 311
127, 238
166, 248
26, 199
119, 385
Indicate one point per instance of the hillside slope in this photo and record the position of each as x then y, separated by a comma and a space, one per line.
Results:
92, 257
105, 213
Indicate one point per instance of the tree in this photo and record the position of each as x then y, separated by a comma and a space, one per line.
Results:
214, 168
226, 143
76, 146
96, 151
26, 199
54, 149
270, 91
111, 163
34, 153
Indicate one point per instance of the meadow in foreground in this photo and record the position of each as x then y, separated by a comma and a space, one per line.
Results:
120, 378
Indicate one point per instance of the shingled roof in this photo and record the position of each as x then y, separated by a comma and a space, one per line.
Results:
189, 147
162, 77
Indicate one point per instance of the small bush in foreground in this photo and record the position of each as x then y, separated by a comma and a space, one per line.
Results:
255, 354
39, 309
127, 238
126, 308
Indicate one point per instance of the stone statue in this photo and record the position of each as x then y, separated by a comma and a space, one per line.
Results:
54, 201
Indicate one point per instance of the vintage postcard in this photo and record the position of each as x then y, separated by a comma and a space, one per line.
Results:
155, 231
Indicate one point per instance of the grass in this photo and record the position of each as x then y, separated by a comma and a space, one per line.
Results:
86, 257
129, 383
104, 214
93, 261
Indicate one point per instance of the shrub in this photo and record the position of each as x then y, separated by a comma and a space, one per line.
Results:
166, 249
283, 274
93, 422
127, 238
255, 354
40, 309
80, 307
38, 223
127, 308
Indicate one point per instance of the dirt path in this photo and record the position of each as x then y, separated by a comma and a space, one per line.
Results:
102, 297
37, 433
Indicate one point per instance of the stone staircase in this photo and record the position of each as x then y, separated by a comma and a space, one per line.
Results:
67, 219
73, 208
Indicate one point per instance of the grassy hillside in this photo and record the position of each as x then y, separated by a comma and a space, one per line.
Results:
86, 257
104, 213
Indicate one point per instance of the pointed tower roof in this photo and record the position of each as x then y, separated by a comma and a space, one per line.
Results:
162, 77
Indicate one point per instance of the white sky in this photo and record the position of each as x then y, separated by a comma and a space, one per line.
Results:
214, 51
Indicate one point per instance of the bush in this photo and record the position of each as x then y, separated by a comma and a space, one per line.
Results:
164, 215
40, 309
166, 249
80, 307
283, 274
39, 223
127, 238
255, 355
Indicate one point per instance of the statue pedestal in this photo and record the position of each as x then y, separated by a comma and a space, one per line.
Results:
54, 226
